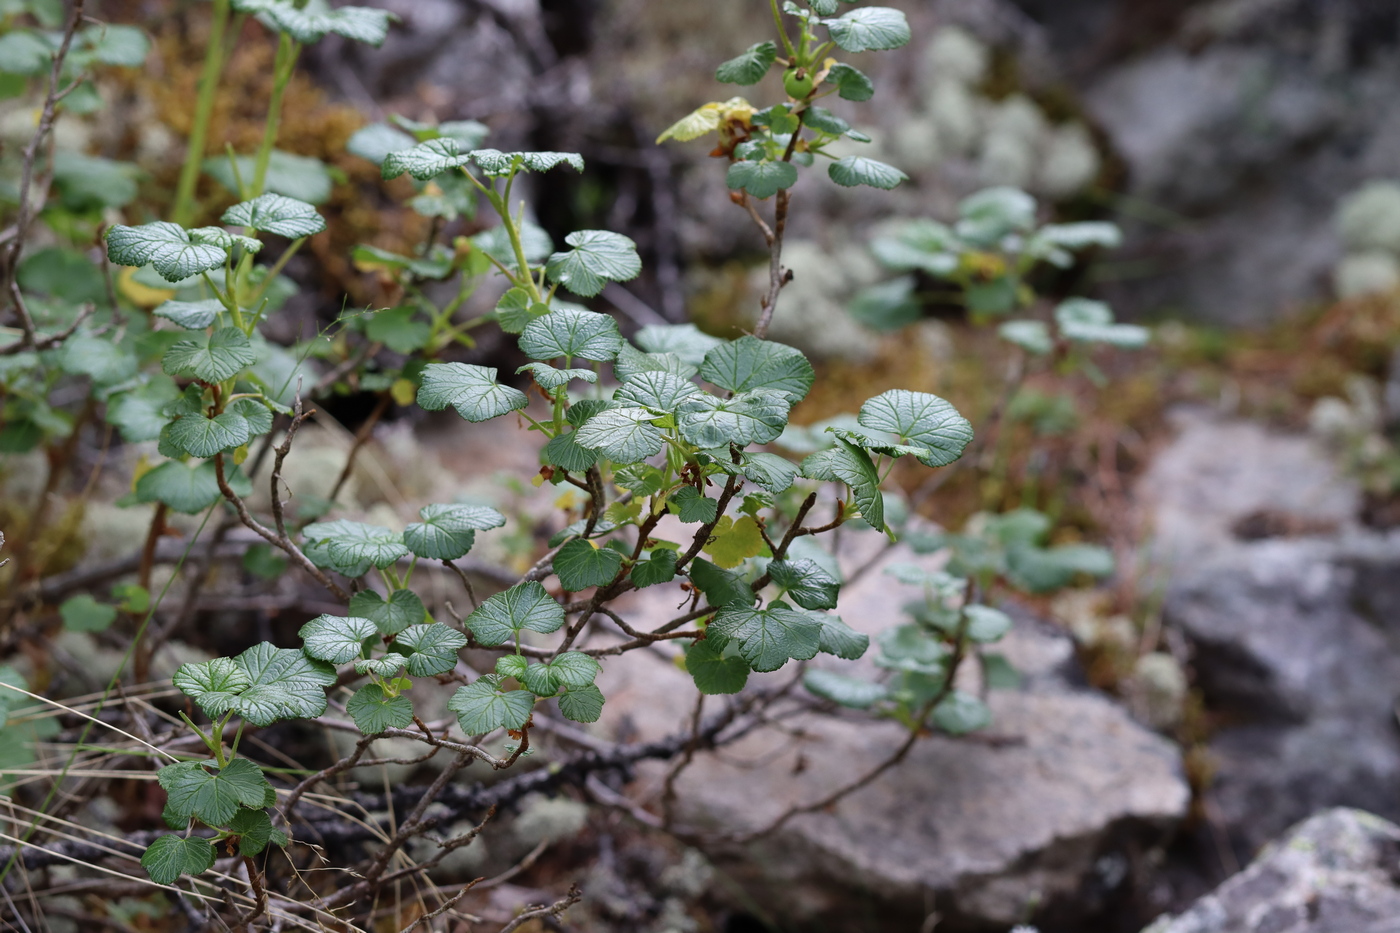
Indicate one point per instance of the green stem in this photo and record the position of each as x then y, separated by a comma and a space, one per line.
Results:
183, 211
778, 21
287, 51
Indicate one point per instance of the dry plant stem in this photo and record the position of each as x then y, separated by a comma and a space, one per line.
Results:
255, 881
466, 583
552, 910
446, 906
361, 438
42, 343
899, 754
668, 790
777, 275
25, 213
445, 848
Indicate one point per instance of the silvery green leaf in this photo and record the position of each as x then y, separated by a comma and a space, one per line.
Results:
1031, 336
165, 246
377, 140
306, 25
580, 564
582, 704
472, 390
684, 340
482, 706
823, 120
336, 639
597, 258
105, 361
205, 437
921, 244
218, 236
851, 83
748, 418
851, 465
887, 306
840, 639
275, 213
431, 648
425, 160
402, 609
872, 28
1086, 321
170, 856
660, 391
212, 357
496, 162
191, 315
549, 378
768, 638
843, 689
961, 713
749, 364
295, 176
283, 684
374, 712
985, 624
623, 435
714, 671
213, 684
572, 334
523, 606
750, 67
761, 179
772, 472
993, 213
386, 665
564, 452
631, 361
923, 419
353, 545
806, 582
496, 243
447, 532
188, 488
858, 170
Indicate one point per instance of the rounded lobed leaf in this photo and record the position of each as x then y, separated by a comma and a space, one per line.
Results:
275, 213
924, 419
431, 648
165, 246
373, 711
573, 334
482, 706
761, 179
872, 28
524, 606
336, 639
857, 170
210, 358
472, 390
597, 258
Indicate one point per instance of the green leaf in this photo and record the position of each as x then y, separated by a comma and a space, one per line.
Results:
471, 389
311, 24
623, 435
772, 472
661, 391
750, 67
275, 213
496, 243
425, 160
89, 182
283, 684
749, 364
924, 420
188, 488
659, 568
355, 545
447, 532
253, 829
482, 707
692, 506
374, 712
336, 639
512, 665
713, 672
294, 176
402, 609
399, 329
842, 689
564, 452
139, 414
213, 798
985, 624
170, 856
992, 213
574, 334
851, 465
921, 244
253, 411
851, 83
377, 140
761, 179
582, 704
210, 358
840, 639
1043, 570
597, 258
807, 583
748, 418
386, 665
631, 362
165, 246
123, 46
438, 264
191, 315
523, 606
721, 587
697, 123
1031, 336
84, 614
910, 648
218, 236
431, 648
498, 163
573, 670
684, 340
549, 378
204, 437
769, 638
214, 685
579, 565
24, 53
857, 170
887, 306
872, 28
961, 713
102, 360
1086, 321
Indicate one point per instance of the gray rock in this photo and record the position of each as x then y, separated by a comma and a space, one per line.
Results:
991, 826
1334, 873
1294, 618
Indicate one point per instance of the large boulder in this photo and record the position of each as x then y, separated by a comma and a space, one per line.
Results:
1335, 873
989, 829
1293, 612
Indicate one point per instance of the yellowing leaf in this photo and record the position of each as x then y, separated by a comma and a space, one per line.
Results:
403, 391
707, 119
733, 542
142, 296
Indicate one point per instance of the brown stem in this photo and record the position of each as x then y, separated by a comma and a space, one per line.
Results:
361, 438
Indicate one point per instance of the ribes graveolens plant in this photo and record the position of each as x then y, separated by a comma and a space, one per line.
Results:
666, 424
